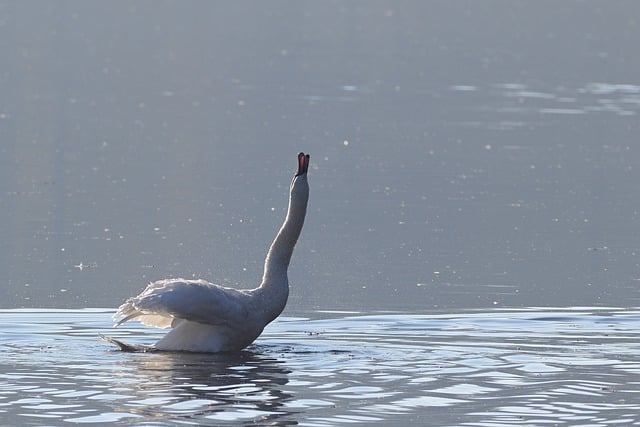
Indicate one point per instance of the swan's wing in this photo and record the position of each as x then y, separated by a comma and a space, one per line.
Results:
164, 301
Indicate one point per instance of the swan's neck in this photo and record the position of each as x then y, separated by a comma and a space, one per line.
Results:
274, 288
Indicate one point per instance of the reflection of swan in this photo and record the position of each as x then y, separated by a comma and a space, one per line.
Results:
240, 388
211, 318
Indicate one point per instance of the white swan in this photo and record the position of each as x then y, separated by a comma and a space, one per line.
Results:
209, 318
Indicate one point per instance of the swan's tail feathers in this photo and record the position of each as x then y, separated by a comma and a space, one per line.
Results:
131, 348
127, 318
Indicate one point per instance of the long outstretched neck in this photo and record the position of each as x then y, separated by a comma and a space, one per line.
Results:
277, 261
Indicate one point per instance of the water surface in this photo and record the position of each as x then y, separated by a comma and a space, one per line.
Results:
466, 157
464, 154
571, 366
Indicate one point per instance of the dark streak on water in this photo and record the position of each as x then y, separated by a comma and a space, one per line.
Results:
527, 367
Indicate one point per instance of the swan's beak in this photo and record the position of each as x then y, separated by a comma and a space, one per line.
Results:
303, 164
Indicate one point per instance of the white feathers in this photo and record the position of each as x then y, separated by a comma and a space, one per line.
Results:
195, 300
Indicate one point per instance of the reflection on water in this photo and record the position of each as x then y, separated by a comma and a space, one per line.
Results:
518, 98
526, 367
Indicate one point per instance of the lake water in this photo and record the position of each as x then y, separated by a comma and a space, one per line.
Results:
469, 161
464, 155
570, 366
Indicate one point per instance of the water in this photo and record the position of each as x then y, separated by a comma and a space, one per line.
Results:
469, 160
569, 366
464, 155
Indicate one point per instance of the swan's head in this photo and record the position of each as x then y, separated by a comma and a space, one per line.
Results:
303, 164
299, 185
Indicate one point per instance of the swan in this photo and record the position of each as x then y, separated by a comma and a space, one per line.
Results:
204, 317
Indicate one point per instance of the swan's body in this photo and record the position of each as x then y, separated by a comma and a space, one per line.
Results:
209, 318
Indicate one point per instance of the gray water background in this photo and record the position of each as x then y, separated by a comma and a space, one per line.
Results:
464, 154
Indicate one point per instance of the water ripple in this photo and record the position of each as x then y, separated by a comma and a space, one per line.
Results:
619, 99
501, 367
